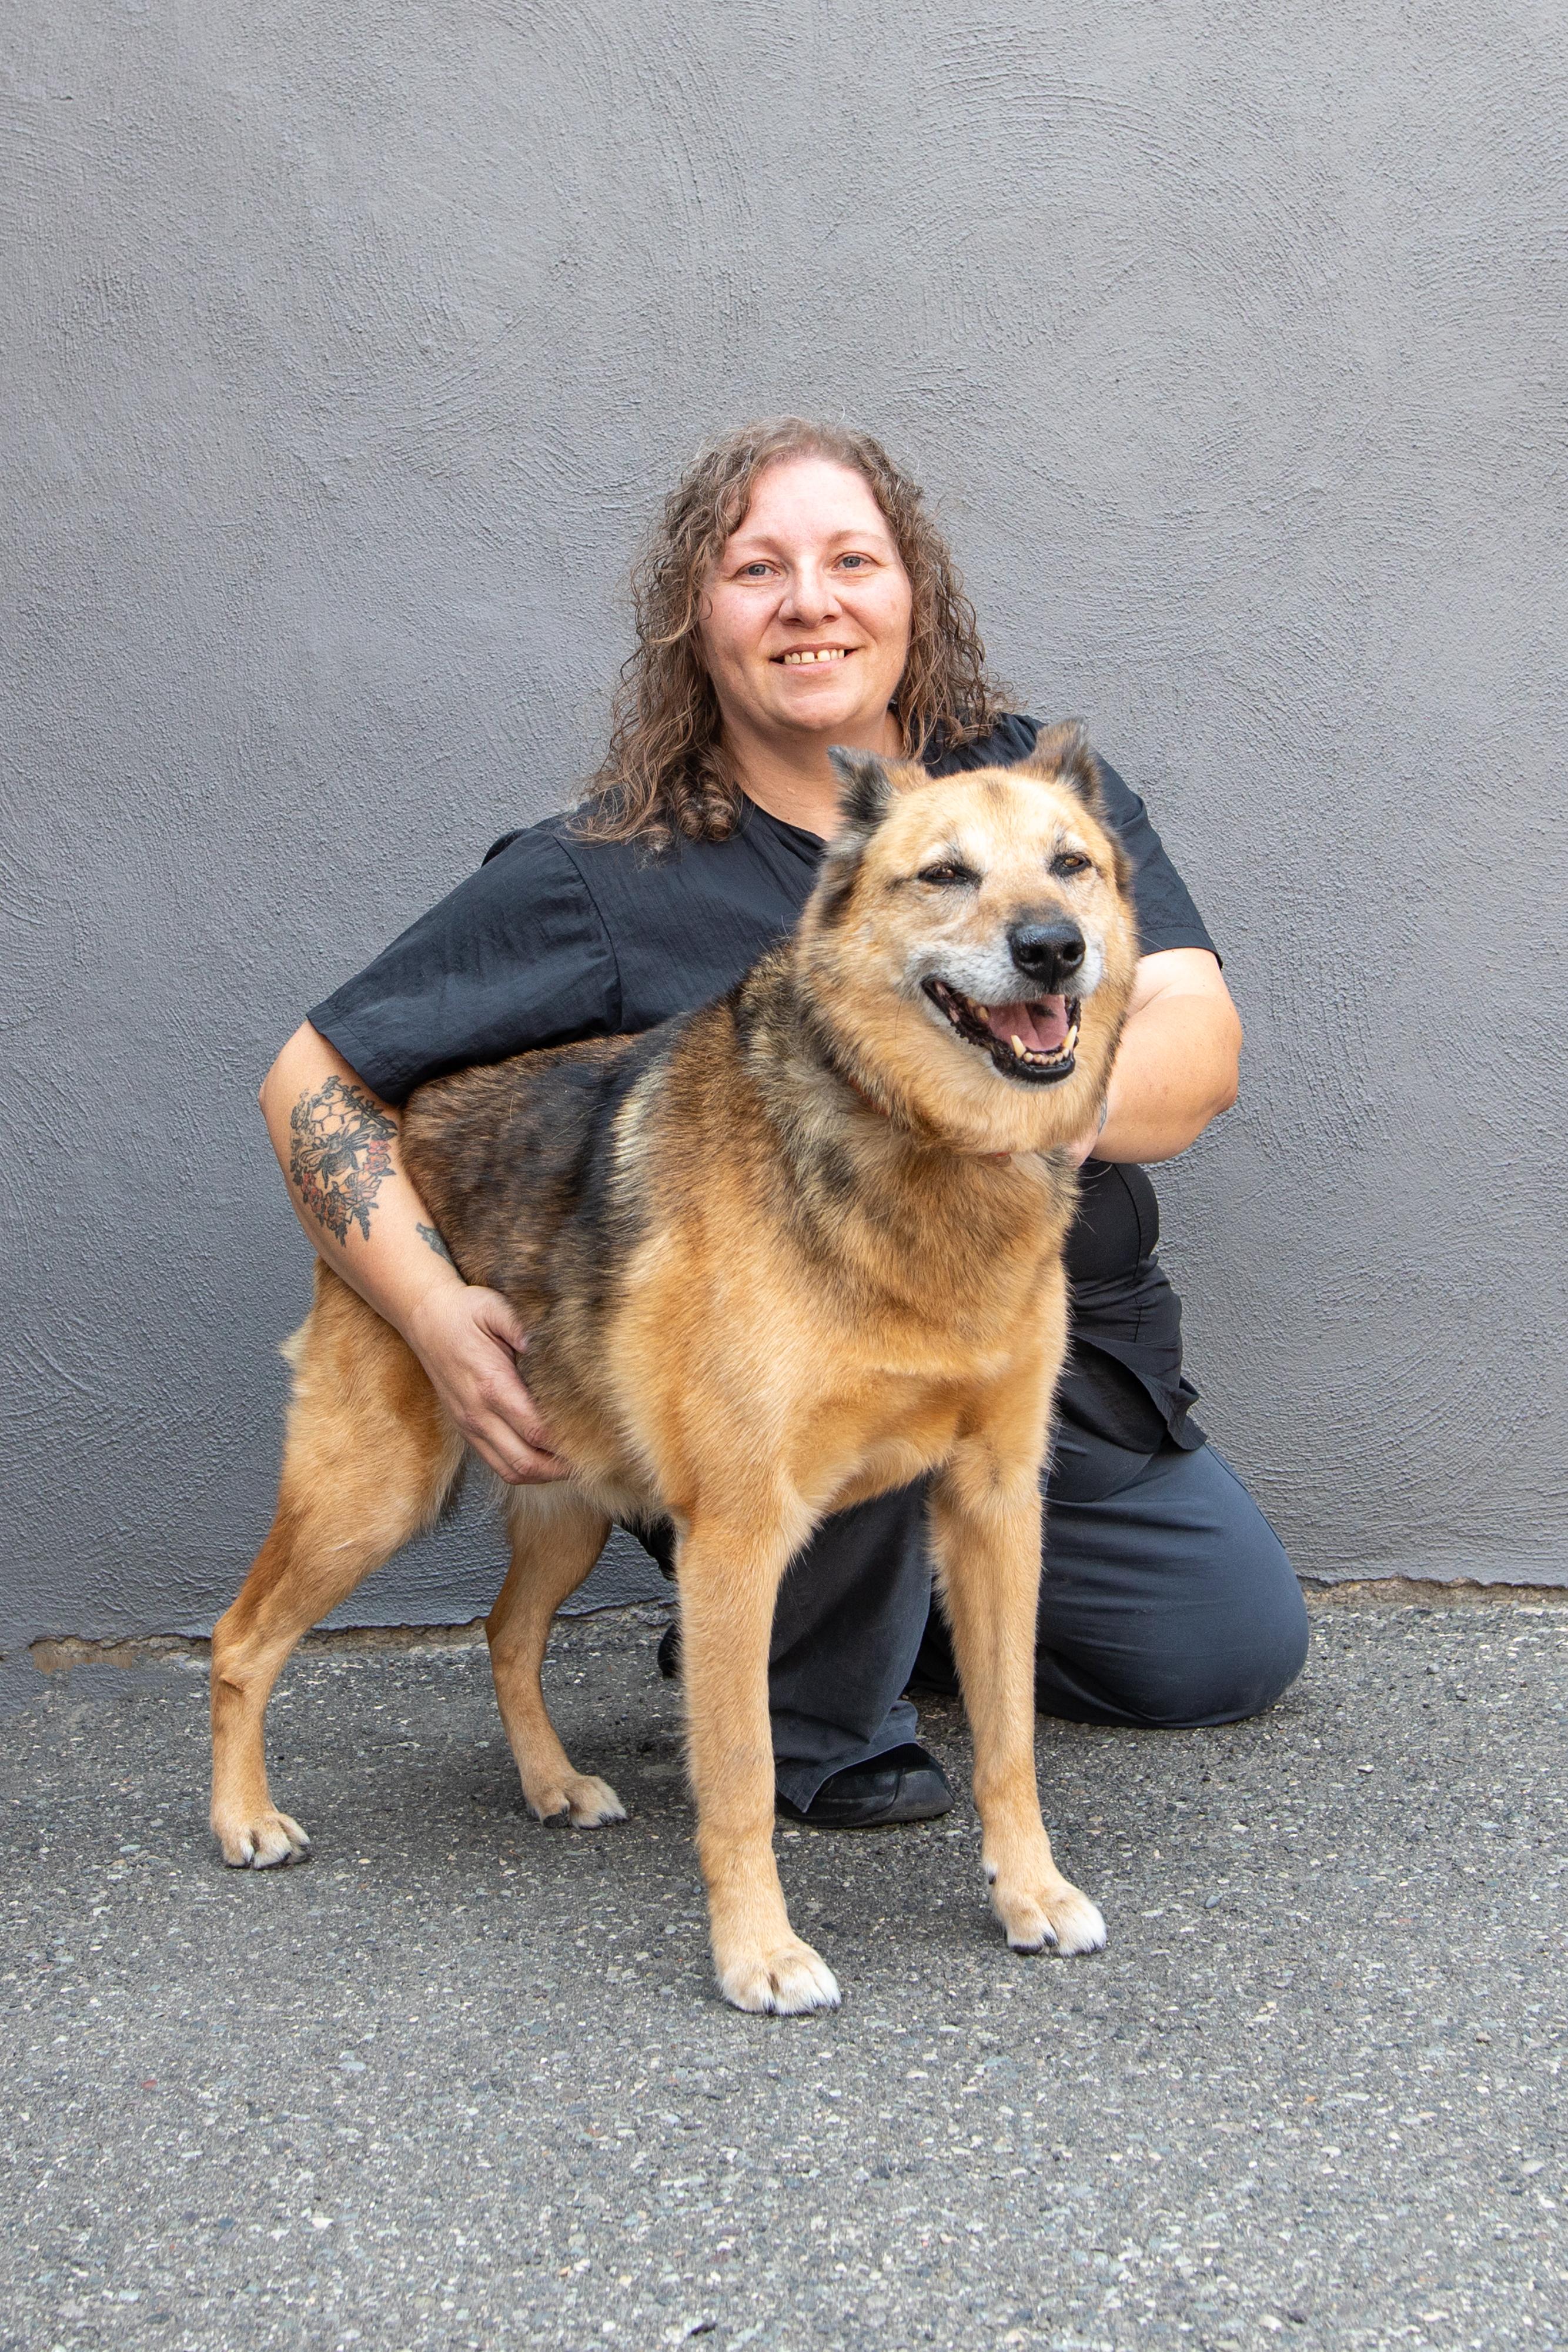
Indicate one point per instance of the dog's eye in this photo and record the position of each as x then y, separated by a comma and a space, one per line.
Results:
948, 872
1068, 863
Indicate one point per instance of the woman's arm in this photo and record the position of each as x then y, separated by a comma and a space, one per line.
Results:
1178, 1064
340, 1146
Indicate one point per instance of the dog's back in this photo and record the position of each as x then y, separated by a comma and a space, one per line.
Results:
514, 1159
572, 1180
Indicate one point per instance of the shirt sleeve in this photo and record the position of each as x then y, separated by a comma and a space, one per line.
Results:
517, 957
1167, 917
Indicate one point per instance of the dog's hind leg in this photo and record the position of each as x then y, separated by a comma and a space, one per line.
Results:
729, 1571
368, 1457
985, 1522
557, 1536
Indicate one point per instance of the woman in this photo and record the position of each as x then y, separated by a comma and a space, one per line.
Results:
797, 596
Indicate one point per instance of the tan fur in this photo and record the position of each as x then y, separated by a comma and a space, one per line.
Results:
825, 1282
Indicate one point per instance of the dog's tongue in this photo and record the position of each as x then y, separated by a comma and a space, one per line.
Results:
1041, 1027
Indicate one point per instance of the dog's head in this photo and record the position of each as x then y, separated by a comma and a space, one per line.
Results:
971, 941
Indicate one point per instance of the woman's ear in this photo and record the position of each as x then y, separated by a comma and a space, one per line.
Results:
1062, 756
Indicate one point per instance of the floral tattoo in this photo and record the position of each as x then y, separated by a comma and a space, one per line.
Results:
340, 1156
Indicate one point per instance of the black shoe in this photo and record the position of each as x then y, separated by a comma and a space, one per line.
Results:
907, 1784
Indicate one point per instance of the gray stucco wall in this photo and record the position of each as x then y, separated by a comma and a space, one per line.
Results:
349, 349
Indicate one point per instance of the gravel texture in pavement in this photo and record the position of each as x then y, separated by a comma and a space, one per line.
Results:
464, 2080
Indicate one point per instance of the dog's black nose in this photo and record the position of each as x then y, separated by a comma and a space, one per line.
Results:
1049, 954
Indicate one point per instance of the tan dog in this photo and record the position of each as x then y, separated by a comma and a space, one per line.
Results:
794, 1250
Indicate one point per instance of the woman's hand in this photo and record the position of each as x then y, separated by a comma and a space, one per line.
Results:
340, 1147
1079, 1149
468, 1341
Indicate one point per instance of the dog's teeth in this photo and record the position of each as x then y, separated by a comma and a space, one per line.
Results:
1021, 1049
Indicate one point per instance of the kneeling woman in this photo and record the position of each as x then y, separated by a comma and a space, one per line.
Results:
797, 596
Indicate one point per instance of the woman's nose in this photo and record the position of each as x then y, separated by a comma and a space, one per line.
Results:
810, 597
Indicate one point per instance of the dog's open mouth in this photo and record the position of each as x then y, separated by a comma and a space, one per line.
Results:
1032, 1041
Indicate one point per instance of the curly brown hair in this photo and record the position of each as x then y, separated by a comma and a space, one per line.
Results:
666, 770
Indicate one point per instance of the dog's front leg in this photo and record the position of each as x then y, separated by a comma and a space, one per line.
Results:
986, 1535
729, 1576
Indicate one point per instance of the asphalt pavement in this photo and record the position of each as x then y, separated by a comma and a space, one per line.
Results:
464, 2080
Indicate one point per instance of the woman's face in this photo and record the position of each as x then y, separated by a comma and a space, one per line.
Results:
805, 621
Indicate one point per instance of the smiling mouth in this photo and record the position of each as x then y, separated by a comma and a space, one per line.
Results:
806, 657
1033, 1041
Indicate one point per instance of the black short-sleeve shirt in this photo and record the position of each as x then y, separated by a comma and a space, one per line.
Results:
556, 939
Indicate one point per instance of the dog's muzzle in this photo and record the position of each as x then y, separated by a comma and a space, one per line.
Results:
1033, 1041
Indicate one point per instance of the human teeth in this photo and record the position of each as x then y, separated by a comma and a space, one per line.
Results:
825, 654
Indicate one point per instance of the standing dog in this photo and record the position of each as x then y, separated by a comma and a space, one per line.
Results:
788, 1253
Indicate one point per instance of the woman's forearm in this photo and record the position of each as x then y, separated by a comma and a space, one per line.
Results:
340, 1148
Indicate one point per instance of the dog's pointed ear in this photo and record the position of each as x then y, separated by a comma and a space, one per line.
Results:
1062, 756
865, 784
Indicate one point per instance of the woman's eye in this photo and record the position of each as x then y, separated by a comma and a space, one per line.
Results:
948, 873
855, 563
1069, 862
755, 570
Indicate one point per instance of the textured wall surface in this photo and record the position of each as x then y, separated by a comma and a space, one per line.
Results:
349, 351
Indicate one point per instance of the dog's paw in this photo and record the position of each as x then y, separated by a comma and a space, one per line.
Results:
791, 1980
1051, 1919
262, 1841
587, 1801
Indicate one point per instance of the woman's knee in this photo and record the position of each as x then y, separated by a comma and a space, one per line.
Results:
1187, 1674
1202, 1623
1241, 1651
1225, 1673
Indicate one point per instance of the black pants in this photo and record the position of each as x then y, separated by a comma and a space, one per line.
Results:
1169, 1601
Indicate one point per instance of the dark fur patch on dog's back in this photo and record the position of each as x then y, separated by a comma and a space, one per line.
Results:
514, 1162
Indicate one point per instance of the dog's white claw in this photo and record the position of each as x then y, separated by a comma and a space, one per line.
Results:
594, 1803
263, 1843
1030, 1931
1061, 1921
1078, 1923
588, 1802
789, 1981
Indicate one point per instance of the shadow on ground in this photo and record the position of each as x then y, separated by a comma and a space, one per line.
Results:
463, 2081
